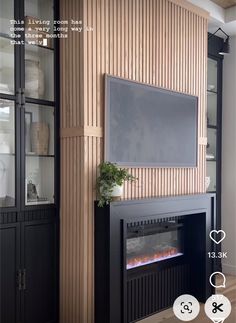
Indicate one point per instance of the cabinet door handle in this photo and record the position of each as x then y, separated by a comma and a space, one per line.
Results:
23, 97
19, 279
24, 279
18, 97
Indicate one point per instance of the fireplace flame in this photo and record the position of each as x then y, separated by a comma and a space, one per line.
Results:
142, 260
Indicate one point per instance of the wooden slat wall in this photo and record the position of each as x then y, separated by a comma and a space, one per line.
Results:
161, 42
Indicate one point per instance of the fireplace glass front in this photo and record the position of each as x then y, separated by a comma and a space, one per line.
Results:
153, 242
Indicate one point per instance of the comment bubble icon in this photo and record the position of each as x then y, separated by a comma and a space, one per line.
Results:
217, 280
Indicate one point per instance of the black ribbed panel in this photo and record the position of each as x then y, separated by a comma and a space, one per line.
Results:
6, 218
155, 291
36, 215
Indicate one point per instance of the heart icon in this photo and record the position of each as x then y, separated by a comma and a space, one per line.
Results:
217, 236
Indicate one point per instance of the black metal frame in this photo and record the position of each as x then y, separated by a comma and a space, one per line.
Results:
214, 45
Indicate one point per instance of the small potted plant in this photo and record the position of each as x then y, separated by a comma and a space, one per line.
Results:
110, 182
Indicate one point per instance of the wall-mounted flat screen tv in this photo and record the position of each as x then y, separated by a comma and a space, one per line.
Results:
147, 126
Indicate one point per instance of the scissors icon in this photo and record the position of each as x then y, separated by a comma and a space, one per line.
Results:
186, 307
217, 308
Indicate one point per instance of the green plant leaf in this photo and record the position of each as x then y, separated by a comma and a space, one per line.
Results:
110, 175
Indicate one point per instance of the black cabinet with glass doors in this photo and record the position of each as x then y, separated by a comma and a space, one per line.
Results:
214, 127
29, 162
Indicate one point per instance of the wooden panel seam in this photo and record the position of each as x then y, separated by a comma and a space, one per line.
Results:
88, 131
191, 7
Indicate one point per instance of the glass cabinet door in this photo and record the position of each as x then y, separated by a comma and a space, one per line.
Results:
39, 108
212, 75
7, 108
6, 48
7, 153
211, 153
39, 54
39, 152
211, 109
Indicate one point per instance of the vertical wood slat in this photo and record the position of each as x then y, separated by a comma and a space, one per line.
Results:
163, 43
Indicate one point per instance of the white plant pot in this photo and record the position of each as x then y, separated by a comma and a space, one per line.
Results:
117, 191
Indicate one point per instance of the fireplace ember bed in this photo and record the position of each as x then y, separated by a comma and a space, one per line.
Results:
150, 251
153, 242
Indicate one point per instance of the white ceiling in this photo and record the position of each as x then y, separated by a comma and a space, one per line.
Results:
219, 17
225, 3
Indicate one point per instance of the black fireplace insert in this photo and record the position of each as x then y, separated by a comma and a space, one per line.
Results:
153, 242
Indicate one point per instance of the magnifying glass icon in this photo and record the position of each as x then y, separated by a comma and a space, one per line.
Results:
186, 307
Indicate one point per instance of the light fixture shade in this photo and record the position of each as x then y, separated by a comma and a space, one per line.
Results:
225, 50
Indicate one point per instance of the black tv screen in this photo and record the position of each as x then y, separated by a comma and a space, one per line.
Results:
146, 126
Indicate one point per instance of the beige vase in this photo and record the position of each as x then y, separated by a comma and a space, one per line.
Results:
39, 137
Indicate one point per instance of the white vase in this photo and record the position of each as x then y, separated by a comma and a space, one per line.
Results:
34, 79
117, 191
207, 182
4, 148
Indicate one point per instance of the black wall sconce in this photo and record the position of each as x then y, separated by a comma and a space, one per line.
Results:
225, 50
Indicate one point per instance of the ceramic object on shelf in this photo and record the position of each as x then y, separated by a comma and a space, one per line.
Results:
34, 79
7, 80
4, 148
40, 137
32, 194
207, 182
4, 87
211, 87
210, 157
5, 26
3, 179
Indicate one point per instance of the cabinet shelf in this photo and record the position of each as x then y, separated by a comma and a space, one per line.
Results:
38, 203
7, 154
4, 35
211, 160
40, 102
211, 92
34, 48
41, 156
212, 126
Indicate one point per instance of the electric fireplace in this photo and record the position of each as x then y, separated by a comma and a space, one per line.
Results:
150, 251
153, 242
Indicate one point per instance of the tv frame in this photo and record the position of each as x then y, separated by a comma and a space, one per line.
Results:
109, 77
